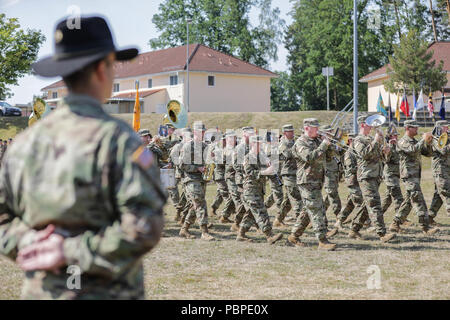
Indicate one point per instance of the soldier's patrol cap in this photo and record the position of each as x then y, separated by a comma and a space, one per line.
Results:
144, 132
327, 128
230, 134
169, 125
199, 126
256, 139
411, 123
442, 123
287, 127
248, 129
362, 119
311, 122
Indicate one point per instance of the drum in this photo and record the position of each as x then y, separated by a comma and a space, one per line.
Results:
167, 178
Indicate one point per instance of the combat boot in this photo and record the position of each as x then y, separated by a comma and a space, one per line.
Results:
205, 234
407, 223
295, 241
278, 223
184, 232
242, 237
387, 237
394, 227
225, 220
354, 235
347, 220
429, 231
332, 233
432, 223
272, 238
324, 244
339, 225
213, 212
234, 227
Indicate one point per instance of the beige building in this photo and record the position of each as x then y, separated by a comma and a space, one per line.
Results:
375, 80
217, 82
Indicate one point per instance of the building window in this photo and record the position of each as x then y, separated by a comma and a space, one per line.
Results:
116, 87
211, 81
55, 95
173, 80
150, 83
137, 84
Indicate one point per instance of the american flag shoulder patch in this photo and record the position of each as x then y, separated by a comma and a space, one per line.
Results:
143, 157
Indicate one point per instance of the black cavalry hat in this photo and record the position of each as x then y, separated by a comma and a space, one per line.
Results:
76, 47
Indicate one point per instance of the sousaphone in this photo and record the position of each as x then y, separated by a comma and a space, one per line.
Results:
176, 114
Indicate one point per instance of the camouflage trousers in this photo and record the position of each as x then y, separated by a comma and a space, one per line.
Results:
292, 197
331, 186
235, 195
245, 208
175, 196
276, 193
369, 188
222, 195
354, 200
256, 213
393, 194
313, 210
441, 191
195, 194
414, 197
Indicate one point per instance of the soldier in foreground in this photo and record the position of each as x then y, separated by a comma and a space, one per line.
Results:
410, 151
441, 173
78, 188
309, 152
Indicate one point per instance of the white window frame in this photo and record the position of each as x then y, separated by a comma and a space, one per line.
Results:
148, 81
118, 87
55, 95
170, 80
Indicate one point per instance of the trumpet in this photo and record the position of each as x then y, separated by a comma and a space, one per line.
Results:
338, 139
209, 172
439, 137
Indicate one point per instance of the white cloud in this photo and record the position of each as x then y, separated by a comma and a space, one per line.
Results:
8, 3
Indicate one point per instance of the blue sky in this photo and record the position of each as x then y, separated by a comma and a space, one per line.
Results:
124, 18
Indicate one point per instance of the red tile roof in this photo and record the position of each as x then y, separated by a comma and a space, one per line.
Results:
441, 51
132, 95
202, 58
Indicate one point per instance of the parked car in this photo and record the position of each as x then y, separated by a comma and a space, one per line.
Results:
8, 110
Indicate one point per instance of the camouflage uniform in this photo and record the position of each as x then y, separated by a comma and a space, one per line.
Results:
391, 177
86, 173
310, 156
331, 184
179, 201
293, 198
441, 174
410, 152
369, 177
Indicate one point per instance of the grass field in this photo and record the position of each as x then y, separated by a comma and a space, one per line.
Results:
412, 267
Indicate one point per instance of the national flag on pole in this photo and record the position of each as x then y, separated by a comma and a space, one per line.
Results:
137, 111
430, 105
404, 106
380, 105
420, 103
415, 107
389, 107
442, 109
397, 108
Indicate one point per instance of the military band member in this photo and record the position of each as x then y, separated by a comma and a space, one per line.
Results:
309, 152
369, 152
193, 165
275, 182
441, 173
288, 164
410, 151
254, 193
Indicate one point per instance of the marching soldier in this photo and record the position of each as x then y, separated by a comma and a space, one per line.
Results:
146, 137
276, 185
78, 188
193, 165
309, 152
254, 194
369, 154
293, 198
391, 174
410, 151
355, 197
441, 174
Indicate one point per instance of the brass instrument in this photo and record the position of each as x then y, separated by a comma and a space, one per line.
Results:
176, 114
338, 139
209, 172
39, 107
376, 121
440, 137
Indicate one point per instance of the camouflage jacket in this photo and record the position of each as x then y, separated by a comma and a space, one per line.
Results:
332, 156
241, 151
410, 152
192, 158
288, 162
253, 182
391, 163
158, 153
219, 160
88, 174
441, 160
369, 158
350, 168
310, 156
230, 158
175, 159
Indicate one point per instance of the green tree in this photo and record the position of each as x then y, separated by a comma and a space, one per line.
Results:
18, 50
282, 94
223, 25
412, 66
